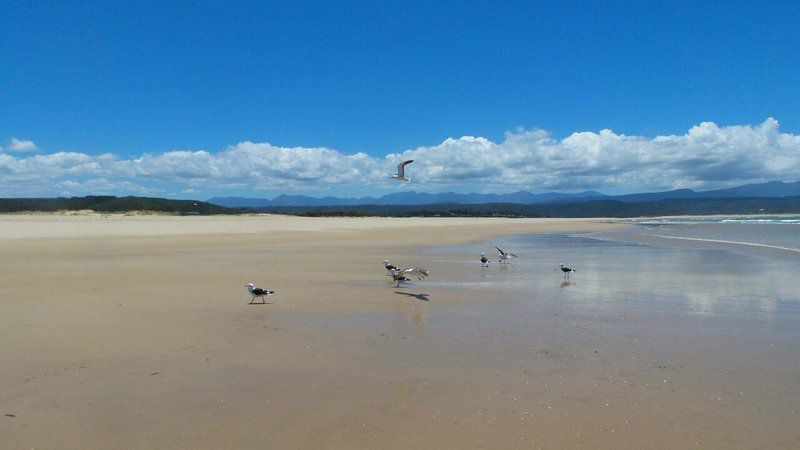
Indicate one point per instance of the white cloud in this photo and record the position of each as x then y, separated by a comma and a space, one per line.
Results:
707, 156
21, 145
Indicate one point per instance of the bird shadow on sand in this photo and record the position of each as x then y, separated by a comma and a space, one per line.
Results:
423, 297
566, 283
260, 303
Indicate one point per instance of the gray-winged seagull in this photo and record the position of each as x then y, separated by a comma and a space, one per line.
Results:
504, 256
401, 171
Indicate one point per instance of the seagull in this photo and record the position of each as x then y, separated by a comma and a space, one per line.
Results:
566, 270
401, 171
257, 292
402, 275
484, 261
389, 266
504, 256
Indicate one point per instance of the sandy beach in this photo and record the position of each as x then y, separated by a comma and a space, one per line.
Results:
135, 332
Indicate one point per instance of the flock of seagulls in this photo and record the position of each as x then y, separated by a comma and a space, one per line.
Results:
398, 275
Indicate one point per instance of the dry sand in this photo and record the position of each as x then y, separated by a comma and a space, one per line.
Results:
135, 332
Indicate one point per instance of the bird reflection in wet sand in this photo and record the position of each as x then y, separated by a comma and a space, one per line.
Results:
418, 318
565, 283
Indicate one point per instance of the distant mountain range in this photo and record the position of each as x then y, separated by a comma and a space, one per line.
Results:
769, 189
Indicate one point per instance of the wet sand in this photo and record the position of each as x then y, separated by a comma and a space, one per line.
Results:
135, 332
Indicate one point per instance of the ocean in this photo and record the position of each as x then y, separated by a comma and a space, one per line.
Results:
738, 234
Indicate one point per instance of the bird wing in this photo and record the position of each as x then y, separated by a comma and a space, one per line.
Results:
401, 168
418, 271
501, 252
511, 254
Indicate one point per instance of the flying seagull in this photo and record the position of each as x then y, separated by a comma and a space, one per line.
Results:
401, 171
504, 256
389, 266
402, 275
484, 261
566, 270
257, 292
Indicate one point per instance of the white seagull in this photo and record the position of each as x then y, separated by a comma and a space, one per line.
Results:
257, 292
504, 256
402, 275
401, 171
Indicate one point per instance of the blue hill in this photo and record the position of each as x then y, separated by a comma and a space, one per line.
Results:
768, 189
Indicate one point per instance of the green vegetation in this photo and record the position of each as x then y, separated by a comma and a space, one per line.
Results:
596, 208
112, 204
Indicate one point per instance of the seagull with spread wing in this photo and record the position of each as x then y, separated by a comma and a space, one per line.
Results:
399, 275
504, 256
401, 171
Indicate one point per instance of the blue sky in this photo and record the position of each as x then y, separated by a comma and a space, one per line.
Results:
96, 82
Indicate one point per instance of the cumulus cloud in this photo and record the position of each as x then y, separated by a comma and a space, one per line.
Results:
21, 145
707, 156
256, 165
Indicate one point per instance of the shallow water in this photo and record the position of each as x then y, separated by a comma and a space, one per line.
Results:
624, 268
712, 327
747, 234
